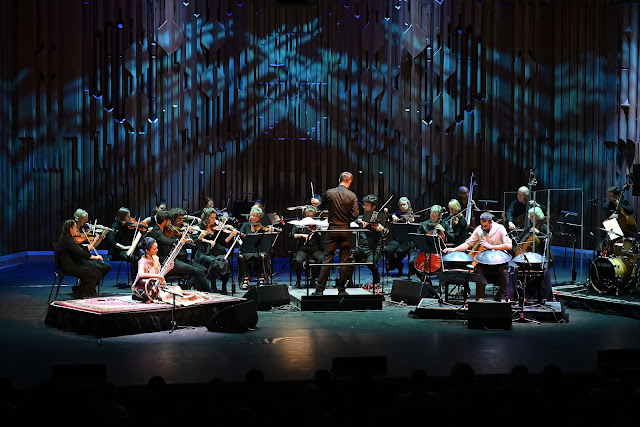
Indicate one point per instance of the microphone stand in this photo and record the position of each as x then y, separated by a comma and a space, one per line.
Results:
174, 324
521, 318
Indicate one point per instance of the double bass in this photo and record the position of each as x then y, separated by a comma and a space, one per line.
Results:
626, 221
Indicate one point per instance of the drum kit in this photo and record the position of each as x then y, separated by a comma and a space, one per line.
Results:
615, 271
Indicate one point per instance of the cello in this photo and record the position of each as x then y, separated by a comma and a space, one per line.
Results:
427, 262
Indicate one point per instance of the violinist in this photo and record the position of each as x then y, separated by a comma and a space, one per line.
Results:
248, 257
121, 237
434, 224
84, 233
308, 248
396, 250
491, 236
208, 202
457, 222
369, 247
211, 252
181, 265
152, 221
74, 261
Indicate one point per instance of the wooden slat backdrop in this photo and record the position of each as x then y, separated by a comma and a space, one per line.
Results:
258, 99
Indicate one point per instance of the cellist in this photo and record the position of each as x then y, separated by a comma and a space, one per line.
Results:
434, 224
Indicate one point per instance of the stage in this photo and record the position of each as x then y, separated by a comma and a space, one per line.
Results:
115, 315
289, 342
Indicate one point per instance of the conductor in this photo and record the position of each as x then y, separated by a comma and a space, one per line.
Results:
342, 205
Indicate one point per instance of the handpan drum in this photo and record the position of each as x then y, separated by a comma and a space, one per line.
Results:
524, 259
493, 257
456, 260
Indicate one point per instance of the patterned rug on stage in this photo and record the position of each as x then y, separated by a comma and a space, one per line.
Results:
119, 304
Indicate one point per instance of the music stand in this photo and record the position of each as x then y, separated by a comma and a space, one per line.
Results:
429, 244
459, 277
379, 217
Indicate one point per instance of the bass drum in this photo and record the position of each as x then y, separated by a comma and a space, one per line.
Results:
612, 275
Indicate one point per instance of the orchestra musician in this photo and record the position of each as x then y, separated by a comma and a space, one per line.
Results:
211, 252
463, 200
515, 213
536, 233
489, 235
431, 225
457, 222
369, 247
207, 203
308, 248
120, 239
342, 205
74, 261
261, 260
610, 207
166, 240
396, 250
82, 218
152, 220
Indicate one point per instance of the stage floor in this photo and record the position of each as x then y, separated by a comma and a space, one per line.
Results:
290, 344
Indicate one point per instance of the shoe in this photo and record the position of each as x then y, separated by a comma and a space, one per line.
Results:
317, 292
261, 281
223, 291
480, 299
245, 284
342, 292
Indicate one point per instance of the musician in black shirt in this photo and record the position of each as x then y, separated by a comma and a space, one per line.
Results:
369, 247
342, 205
308, 248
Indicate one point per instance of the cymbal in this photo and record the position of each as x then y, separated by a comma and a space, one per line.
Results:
531, 257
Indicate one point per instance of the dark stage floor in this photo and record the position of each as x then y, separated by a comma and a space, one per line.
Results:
291, 344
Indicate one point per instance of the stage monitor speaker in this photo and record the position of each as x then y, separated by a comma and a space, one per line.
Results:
411, 292
635, 179
489, 315
268, 296
238, 318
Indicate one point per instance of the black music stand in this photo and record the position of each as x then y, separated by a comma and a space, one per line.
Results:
429, 244
378, 217
459, 277
260, 242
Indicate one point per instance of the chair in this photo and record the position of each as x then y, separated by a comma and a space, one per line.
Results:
58, 273
120, 267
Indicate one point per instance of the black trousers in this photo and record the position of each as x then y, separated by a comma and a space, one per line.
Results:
496, 274
195, 272
395, 252
315, 257
261, 261
362, 254
336, 240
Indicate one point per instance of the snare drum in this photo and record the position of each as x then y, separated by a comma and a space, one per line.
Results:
611, 275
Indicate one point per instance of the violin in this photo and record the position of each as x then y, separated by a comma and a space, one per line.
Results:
133, 224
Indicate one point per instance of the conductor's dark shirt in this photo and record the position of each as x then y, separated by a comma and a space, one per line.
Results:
342, 205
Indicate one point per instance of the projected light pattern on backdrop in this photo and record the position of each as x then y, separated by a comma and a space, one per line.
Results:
131, 102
